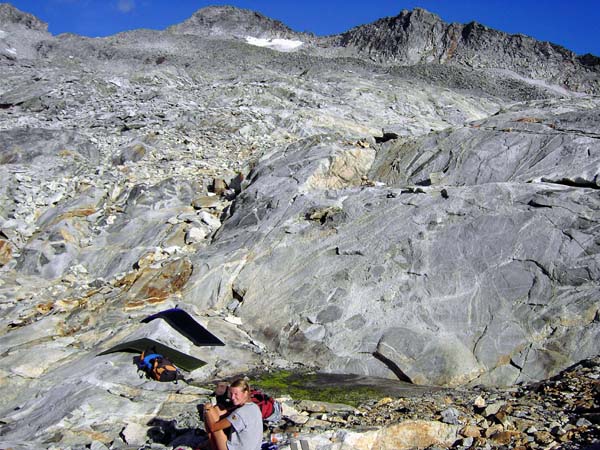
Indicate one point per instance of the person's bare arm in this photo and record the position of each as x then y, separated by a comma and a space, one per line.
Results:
215, 418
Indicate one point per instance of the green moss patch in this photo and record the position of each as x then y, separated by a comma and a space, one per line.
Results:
318, 387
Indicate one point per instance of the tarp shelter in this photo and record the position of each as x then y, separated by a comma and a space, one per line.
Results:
137, 346
170, 337
186, 325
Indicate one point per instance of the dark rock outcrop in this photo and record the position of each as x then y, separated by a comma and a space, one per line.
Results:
419, 36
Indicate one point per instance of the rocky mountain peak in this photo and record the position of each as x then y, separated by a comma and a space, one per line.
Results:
416, 16
418, 36
11, 15
589, 60
231, 21
411, 37
20, 33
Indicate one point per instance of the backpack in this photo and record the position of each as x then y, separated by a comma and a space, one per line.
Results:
157, 367
270, 409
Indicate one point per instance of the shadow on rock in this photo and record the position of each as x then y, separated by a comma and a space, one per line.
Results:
165, 432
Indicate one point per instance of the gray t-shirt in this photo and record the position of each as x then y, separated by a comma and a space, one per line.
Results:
247, 428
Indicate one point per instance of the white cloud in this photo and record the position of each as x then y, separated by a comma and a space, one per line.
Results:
125, 5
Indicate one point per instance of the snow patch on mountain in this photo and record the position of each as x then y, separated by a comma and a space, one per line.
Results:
282, 45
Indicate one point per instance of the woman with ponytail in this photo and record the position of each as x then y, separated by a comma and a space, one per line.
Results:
244, 421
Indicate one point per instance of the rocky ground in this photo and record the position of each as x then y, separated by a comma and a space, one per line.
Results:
561, 412
558, 413
315, 208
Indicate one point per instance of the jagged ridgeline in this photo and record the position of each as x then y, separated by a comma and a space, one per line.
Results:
410, 199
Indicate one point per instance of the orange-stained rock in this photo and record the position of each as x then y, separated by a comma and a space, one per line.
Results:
206, 201
417, 434
219, 186
5, 252
470, 431
45, 307
496, 428
410, 434
504, 437
153, 286
127, 280
79, 212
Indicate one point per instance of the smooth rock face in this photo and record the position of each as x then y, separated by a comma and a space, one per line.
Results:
448, 284
436, 222
524, 145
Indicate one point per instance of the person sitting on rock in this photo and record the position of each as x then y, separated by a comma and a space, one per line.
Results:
222, 395
244, 421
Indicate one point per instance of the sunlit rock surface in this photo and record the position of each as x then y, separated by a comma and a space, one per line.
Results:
367, 212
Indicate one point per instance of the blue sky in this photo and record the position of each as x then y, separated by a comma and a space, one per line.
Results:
574, 24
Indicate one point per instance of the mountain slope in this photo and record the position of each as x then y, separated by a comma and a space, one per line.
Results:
313, 208
422, 37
